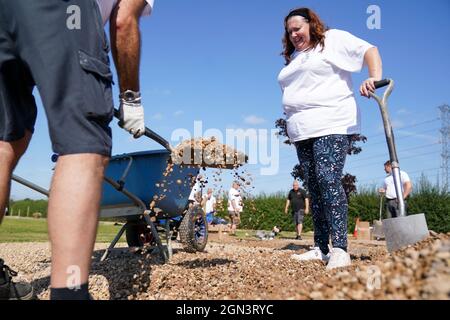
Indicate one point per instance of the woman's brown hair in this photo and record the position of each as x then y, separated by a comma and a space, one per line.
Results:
316, 29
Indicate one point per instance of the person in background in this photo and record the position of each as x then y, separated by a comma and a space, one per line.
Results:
209, 205
389, 190
299, 202
195, 197
321, 118
235, 206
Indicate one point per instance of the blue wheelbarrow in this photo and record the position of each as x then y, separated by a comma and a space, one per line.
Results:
154, 204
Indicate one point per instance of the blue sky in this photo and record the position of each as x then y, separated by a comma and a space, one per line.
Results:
218, 61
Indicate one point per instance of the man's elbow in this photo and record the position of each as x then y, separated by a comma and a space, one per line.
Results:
408, 186
124, 22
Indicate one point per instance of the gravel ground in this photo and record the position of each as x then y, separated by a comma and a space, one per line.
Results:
252, 269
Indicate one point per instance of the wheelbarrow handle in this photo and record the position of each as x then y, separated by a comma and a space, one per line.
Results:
156, 137
150, 134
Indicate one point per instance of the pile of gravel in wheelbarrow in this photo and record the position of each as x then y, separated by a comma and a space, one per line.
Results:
232, 268
207, 152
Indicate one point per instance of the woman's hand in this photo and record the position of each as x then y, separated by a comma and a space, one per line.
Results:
367, 86
373, 61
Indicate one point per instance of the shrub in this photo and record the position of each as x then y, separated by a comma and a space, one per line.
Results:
37, 215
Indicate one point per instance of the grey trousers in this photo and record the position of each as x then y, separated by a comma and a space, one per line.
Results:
393, 210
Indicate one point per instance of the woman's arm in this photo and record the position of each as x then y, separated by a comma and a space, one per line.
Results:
373, 61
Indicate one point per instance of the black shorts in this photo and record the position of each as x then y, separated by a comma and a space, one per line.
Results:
60, 47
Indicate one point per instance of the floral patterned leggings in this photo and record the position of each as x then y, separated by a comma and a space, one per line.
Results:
322, 161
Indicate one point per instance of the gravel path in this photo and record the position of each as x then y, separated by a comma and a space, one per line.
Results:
252, 269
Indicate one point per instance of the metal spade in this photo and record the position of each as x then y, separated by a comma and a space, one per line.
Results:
405, 229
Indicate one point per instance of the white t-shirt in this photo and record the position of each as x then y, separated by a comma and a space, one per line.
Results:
195, 189
106, 7
390, 187
209, 206
317, 87
235, 195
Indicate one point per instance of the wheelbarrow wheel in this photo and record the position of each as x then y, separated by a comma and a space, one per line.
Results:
193, 230
138, 234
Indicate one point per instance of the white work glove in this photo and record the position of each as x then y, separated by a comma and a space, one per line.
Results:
132, 113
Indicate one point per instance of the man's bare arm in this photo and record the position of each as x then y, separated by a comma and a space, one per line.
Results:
407, 188
288, 203
126, 42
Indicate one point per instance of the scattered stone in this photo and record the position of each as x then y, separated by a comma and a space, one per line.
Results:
250, 269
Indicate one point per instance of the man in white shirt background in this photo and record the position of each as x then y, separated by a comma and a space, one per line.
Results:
195, 197
235, 206
209, 204
389, 190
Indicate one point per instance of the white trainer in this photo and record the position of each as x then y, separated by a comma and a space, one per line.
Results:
314, 254
338, 259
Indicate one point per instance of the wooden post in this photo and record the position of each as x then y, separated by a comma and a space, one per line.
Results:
220, 231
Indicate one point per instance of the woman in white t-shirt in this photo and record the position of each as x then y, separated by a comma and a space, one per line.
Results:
321, 118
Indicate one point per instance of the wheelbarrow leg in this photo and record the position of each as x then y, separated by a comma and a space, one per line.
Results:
150, 223
114, 242
168, 239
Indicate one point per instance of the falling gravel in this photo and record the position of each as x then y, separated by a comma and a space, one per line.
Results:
232, 268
